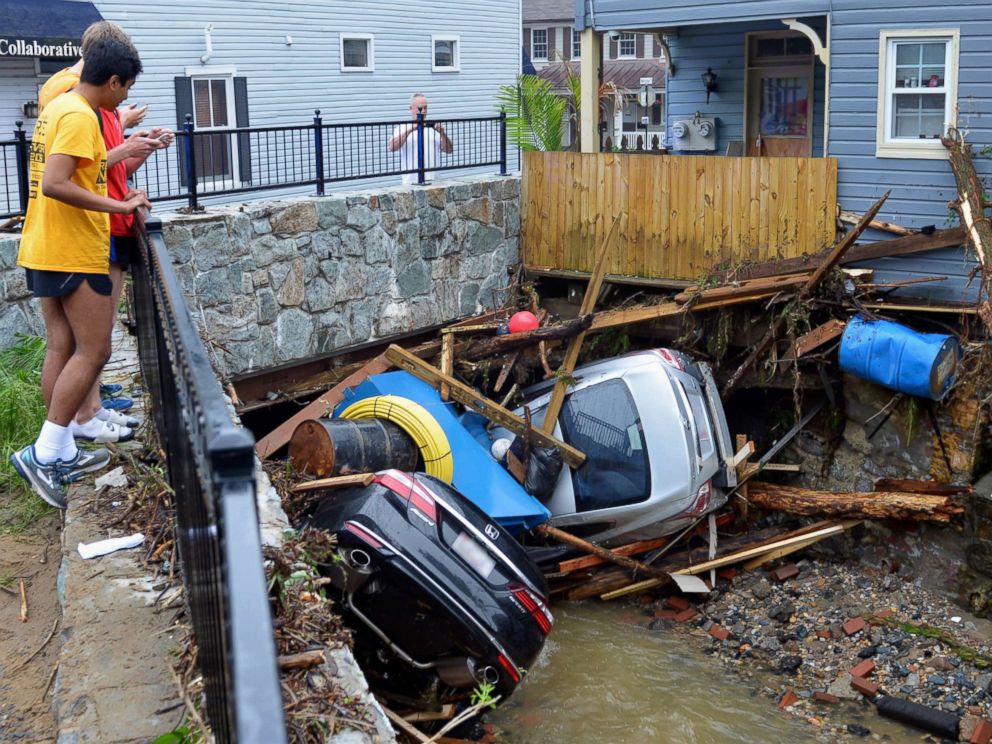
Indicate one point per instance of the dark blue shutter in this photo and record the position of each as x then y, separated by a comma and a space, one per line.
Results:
184, 106
241, 120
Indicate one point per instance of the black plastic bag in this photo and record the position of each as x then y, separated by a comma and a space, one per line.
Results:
543, 467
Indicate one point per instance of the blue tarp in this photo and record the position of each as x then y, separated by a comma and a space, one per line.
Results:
46, 21
476, 474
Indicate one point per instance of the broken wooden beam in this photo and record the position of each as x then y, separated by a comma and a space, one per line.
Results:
302, 660
280, 436
746, 288
933, 488
815, 339
490, 347
470, 398
563, 381
600, 552
331, 484
874, 505
853, 218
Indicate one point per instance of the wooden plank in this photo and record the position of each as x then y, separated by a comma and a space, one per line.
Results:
815, 339
330, 484
575, 344
755, 287
280, 436
447, 363
479, 403
576, 564
852, 218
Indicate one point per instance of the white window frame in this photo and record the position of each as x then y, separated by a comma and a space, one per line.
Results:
456, 55
547, 44
887, 146
576, 52
347, 36
225, 73
621, 40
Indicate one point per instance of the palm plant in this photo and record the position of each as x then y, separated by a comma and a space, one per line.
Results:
535, 114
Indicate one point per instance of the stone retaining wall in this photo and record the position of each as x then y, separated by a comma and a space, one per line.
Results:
19, 313
278, 282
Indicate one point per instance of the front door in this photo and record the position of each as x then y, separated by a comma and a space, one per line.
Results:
779, 108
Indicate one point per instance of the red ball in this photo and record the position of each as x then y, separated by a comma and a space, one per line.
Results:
523, 321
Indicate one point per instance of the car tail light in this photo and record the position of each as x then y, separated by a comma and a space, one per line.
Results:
670, 358
702, 501
356, 529
534, 605
510, 668
415, 494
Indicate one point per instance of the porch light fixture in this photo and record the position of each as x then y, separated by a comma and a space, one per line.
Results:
30, 109
709, 82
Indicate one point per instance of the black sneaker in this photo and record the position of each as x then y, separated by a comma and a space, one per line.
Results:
48, 481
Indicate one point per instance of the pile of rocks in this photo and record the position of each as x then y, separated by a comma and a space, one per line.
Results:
838, 632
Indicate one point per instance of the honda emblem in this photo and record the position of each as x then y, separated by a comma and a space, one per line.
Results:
492, 532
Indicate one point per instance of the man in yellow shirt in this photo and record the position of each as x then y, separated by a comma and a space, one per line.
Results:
65, 250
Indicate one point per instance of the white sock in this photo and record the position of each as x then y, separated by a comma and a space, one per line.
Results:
54, 443
90, 429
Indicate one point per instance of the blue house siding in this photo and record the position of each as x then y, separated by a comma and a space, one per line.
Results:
610, 14
722, 48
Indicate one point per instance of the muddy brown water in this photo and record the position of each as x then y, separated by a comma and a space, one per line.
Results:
604, 678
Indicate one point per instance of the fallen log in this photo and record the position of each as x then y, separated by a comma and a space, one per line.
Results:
496, 345
875, 505
303, 660
917, 486
606, 555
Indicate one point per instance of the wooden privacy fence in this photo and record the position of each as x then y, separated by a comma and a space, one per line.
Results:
686, 214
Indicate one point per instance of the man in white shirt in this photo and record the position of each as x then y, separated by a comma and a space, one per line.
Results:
404, 139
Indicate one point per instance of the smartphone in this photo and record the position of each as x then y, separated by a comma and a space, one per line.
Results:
164, 135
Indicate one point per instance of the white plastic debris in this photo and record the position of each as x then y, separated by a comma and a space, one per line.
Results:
114, 479
955, 619
690, 584
110, 545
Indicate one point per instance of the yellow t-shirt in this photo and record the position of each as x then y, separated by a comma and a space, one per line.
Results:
57, 236
64, 80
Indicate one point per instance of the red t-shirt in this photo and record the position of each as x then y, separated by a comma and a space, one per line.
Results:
113, 136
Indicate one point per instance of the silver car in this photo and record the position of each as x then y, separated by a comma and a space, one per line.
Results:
659, 455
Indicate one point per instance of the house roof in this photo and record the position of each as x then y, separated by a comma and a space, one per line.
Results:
626, 74
536, 11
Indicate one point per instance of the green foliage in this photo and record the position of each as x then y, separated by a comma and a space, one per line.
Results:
535, 114
483, 695
22, 412
178, 736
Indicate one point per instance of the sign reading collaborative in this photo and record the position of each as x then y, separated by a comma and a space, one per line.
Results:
58, 48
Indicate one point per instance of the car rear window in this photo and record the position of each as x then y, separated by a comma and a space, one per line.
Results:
602, 421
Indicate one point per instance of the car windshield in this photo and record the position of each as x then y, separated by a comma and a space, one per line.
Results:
602, 422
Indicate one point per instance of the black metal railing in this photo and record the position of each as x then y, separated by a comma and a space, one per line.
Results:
14, 173
211, 469
214, 162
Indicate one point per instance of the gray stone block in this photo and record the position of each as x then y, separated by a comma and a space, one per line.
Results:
319, 295
352, 281
9, 247
479, 210
460, 192
327, 245
211, 245
12, 322
405, 206
329, 269
332, 212
361, 217
482, 239
413, 279
261, 227
240, 232
351, 243
179, 241
360, 316
468, 299
294, 335
395, 317
511, 228
268, 249
267, 307
295, 219
216, 287
377, 245
432, 221
15, 285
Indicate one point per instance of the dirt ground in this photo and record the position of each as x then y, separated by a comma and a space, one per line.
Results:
25, 695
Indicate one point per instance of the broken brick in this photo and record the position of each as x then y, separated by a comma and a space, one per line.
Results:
685, 615
787, 699
863, 669
665, 614
719, 632
677, 603
646, 599
826, 697
727, 574
983, 733
854, 625
865, 686
824, 634
883, 614
782, 573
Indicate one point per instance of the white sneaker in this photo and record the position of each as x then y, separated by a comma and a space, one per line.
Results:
101, 431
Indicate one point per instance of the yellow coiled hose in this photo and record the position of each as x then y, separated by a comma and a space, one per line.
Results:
414, 419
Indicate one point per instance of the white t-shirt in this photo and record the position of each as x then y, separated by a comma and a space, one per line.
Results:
408, 152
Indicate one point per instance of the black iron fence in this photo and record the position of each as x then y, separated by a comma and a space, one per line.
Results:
211, 469
214, 162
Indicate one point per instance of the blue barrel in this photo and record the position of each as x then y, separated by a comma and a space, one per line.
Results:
899, 358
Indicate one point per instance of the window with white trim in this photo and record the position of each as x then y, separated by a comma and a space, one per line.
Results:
627, 46
445, 51
576, 44
357, 53
539, 43
917, 85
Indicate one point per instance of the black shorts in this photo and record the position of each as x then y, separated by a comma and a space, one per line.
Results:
64, 283
123, 250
